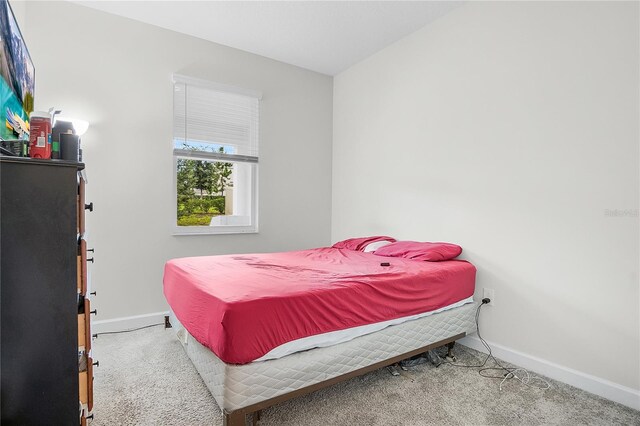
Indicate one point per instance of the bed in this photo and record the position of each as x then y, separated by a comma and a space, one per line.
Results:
264, 328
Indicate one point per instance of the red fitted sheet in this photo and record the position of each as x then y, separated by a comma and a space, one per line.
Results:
243, 306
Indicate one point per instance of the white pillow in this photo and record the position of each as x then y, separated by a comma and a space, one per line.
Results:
375, 246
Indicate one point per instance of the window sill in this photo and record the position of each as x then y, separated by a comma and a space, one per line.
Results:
206, 230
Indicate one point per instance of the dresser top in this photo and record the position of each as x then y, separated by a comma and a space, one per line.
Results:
42, 162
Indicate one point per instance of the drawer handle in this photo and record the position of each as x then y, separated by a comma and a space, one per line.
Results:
90, 260
89, 206
91, 250
95, 336
89, 417
97, 363
93, 293
94, 312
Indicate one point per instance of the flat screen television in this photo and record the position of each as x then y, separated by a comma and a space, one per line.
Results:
17, 84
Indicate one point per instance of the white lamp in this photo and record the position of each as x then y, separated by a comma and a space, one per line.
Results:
80, 126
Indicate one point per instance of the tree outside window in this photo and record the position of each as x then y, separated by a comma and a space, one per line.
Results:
201, 186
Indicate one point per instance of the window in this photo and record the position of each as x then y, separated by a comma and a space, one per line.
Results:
215, 157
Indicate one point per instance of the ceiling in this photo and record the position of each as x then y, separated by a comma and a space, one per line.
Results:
323, 36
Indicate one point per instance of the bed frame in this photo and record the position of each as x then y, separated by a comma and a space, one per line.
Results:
430, 332
239, 417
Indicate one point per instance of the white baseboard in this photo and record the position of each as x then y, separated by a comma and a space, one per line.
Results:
601, 387
127, 323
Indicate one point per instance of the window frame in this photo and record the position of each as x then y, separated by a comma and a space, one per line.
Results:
177, 153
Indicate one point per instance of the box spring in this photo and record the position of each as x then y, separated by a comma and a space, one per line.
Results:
238, 386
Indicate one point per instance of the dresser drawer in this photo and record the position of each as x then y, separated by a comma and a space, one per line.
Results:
90, 384
84, 327
85, 383
79, 273
80, 206
83, 386
82, 264
82, 331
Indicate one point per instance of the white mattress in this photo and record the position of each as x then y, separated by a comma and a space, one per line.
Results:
238, 386
341, 336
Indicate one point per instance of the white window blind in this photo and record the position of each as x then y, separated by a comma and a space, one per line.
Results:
216, 119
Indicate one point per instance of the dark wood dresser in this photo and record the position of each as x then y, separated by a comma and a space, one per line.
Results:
45, 336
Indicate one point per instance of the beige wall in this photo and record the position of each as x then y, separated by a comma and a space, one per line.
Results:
116, 73
510, 128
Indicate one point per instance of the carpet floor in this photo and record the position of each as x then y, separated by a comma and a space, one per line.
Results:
145, 378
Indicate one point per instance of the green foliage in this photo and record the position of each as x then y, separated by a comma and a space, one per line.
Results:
222, 174
218, 204
185, 179
210, 205
198, 182
196, 211
194, 220
204, 177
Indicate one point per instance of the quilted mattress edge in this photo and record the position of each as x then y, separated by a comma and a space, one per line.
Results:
238, 386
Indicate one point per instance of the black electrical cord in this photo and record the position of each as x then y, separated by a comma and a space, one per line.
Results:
489, 354
127, 331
